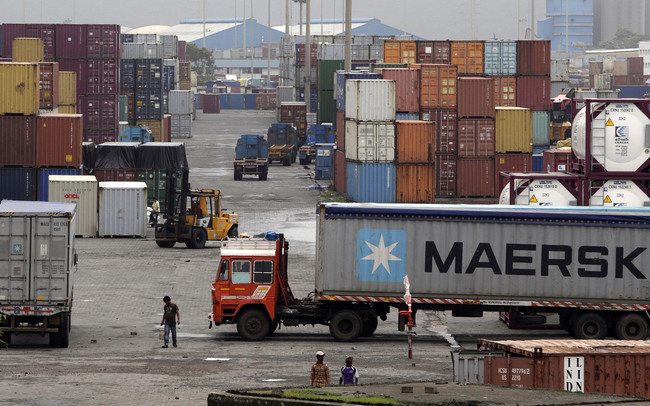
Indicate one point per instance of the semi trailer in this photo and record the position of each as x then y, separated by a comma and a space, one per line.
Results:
589, 265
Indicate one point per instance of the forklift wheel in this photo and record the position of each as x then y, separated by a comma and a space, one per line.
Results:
165, 244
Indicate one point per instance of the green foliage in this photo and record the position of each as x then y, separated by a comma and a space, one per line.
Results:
202, 63
331, 396
624, 38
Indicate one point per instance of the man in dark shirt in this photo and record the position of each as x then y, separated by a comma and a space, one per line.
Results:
170, 316
349, 373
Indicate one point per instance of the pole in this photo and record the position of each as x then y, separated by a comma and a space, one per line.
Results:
348, 35
286, 20
308, 58
245, 44
268, 43
532, 19
566, 34
300, 19
252, 40
203, 24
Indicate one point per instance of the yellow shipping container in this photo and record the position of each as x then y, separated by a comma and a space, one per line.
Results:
155, 126
19, 88
27, 50
513, 128
67, 88
67, 109
400, 51
184, 84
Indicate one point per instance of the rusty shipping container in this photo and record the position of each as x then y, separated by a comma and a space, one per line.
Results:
18, 141
340, 171
415, 183
468, 56
438, 86
415, 141
58, 140
476, 137
445, 122
514, 130
340, 130
407, 88
67, 88
19, 88
103, 41
49, 84
437, 52
100, 136
556, 160
534, 57
446, 169
589, 366
510, 163
296, 114
167, 128
505, 91
635, 65
475, 177
475, 97
400, 51
27, 50
534, 92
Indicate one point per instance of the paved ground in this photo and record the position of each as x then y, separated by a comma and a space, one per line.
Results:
115, 356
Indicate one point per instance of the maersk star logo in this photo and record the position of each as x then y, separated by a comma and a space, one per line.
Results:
381, 255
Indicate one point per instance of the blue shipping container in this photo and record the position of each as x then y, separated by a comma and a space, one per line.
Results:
168, 77
541, 128
17, 183
223, 101
43, 182
251, 147
249, 101
538, 163
500, 58
313, 100
407, 116
149, 73
236, 101
538, 149
324, 161
149, 104
127, 74
633, 92
371, 182
127, 38
339, 85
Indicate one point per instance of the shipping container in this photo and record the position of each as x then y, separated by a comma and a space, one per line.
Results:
340, 171
81, 190
467, 56
17, 183
167, 128
122, 209
559, 70
19, 88
407, 88
369, 141
78, 66
534, 92
505, 91
475, 177
114, 175
541, 128
415, 183
476, 137
438, 86
534, 57
400, 52
58, 140
331, 52
619, 68
339, 129
445, 122
170, 46
371, 182
155, 126
148, 104
296, 114
635, 65
513, 130
43, 180
1, 40
103, 41
102, 76
27, 50
149, 73
595, 68
325, 113
181, 102
339, 86
415, 141
70, 41
603, 81
301, 58
510, 163
558, 88
46, 32
100, 111
170, 74
67, 88
100, 136
556, 160
500, 58
49, 84
323, 166
182, 51
433, 52
446, 169
475, 97
18, 141
327, 70
181, 125
212, 103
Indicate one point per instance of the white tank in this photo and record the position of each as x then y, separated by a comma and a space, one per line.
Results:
618, 136
620, 193
547, 192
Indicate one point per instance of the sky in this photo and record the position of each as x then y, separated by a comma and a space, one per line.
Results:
430, 19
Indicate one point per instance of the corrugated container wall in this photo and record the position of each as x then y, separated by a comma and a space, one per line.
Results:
18, 141
476, 137
67, 88
505, 91
103, 41
17, 183
49, 84
122, 209
407, 88
70, 41
468, 56
43, 180
181, 101
370, 100
415, 183
438, 86
81, 190
534, 57
27, 50
475, 177
475, 97
340, 171
541, 128
534, 92
445, 122
58, 140
500, 58
399, 51
371, 182
19, 88
510, 163
370, 141
446, 169
415, 141
559, 70
513, 129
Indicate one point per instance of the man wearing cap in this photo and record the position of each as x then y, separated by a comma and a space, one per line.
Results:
320, 372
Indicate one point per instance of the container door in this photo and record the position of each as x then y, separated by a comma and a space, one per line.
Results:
50, 259
14, 259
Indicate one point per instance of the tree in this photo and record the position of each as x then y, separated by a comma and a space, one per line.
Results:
624, 38
202, 63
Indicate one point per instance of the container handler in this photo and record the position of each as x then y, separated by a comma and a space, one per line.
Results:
283, 143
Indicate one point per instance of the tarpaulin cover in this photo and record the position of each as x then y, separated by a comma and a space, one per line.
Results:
163, 155
89, 155
117, 155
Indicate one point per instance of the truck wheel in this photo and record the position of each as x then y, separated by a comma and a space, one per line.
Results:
303, 161
286, 161
264, 175
589, 326
198, 239
631, 326
64, 331
54, 340
165, 244
253, 325
369, 327
345, 326
273, 327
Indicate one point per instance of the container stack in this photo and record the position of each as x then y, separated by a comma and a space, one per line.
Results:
181, 103
296, 114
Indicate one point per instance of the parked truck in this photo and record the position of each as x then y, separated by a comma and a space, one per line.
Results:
37, 257
316, 134
590, 265
282, 141
251, 157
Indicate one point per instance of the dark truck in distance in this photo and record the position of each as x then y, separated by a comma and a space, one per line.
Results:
283, 143
251, 157
316, 134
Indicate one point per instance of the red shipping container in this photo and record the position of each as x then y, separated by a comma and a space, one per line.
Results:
438, 86
415, 183
201, 96
619, 81
446, 123
415, 141
101, 111
446, 170
130, 104
49, 84
636, 79
102, 76
184, 70
505, 91
635, 65
18, 141
211, 103
114, 175
9, 32
340, 171
296, 114
47, 33
301, 57
167, 128
407, 88
476, 137
556, 160
58, 140
534, 92
100, 136
182, 51
78, 66
510, 163
475, 177
475, 97
340, 131
103, 41
437, 52
534, 57
70, 41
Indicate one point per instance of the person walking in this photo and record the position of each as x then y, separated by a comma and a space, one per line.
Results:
320, 372
171, 317
349, 373
155, 209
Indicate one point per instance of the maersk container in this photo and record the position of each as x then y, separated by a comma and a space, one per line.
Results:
122, 209
370, 182
500, 58
81, 190
370, 100
17, 183
19, 88
43, 180
370, 141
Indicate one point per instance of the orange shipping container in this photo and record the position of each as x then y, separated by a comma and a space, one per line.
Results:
505, 91
415, 183
19, 88
156, 127
400, 51
67, 88
27, 50
49, 84
58, 140
468, 56
415, 141
438, 86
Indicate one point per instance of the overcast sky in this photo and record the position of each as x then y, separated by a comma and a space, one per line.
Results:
431, 19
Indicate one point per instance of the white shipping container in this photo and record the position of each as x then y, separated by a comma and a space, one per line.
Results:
122, 209
153, 51
558, 87
559, 70
369, 141
331, 52
285, 94
181, 126
181, 101
603, 81
146, 38
133, 50
170, 46
79, 189
370, 100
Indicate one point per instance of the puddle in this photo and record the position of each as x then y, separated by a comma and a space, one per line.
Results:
217, 359
274, 380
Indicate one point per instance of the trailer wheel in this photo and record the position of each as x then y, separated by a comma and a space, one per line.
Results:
287, 160
237, 175
345, 325
165, 244
54, 340
265, 173
631, 326
198, 239
590, 326
369, 327
64, 331
253, 325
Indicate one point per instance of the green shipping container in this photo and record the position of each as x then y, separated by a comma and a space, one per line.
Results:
124, 108
326, 71
156, 181
541, 128
326, 104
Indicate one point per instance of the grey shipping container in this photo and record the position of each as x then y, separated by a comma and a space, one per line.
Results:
181, 126
181, 101
122, 209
